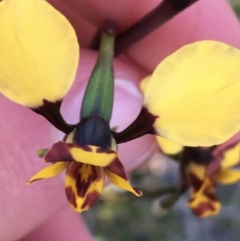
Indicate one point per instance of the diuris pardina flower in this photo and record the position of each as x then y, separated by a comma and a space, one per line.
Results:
192, 97
204, 174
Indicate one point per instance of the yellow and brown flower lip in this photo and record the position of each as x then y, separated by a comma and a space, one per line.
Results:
85, 167
204, 174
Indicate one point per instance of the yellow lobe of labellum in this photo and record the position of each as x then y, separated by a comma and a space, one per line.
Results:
93, 155
204, 202
83, 184
38, 52
195, 94
49, 171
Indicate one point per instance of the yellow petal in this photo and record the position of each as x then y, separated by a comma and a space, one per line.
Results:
49, 171
195, 94
226, 176
204, 203
38, 52
83, 184
231, 157
169, 147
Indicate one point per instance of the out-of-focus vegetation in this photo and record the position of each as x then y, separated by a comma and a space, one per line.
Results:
123, 217
236, 6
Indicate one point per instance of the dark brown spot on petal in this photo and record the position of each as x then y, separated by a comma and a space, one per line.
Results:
86, 148
142, 125
103, 150
71, 196
90, 199
51, 111
117, 168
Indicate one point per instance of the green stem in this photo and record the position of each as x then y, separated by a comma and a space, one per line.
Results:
98, 97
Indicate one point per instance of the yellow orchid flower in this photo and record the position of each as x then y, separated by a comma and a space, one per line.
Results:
39, 55
85, 168
203, 201
192, 98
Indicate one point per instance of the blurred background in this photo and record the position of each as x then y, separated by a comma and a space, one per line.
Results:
120, 216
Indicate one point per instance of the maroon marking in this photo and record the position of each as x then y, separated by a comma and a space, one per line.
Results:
82, 186
210, 196
51, 111
194, 182
117, 168
73, 170
59, 152
103, 150
137, 191
202, 207
71, 196
142, 125
90, 199
86, 148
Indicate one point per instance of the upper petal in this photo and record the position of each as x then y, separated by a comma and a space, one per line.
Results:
83, 185
38, 52
195, 94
